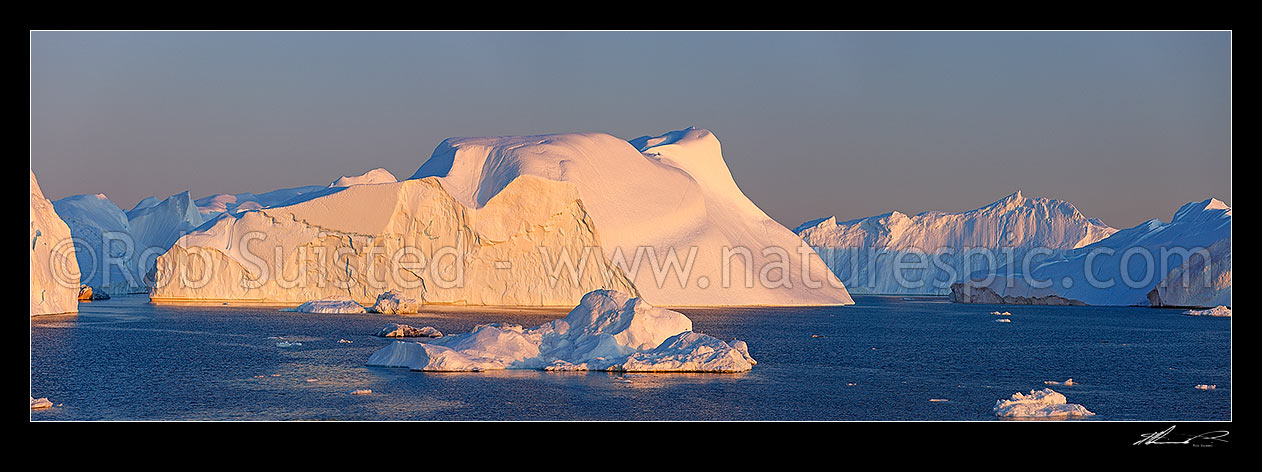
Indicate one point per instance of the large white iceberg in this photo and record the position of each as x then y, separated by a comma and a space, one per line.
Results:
1046, 403
1154, 263
608, 331
410, 237
525, 221
54, 268
661, 204
934, 249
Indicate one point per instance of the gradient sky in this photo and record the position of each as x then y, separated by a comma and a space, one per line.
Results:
1127, 126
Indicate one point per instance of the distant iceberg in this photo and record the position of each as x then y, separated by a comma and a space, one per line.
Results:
329, 305
607, 331
924, 254
1185, 263
1215, 311
1046, 403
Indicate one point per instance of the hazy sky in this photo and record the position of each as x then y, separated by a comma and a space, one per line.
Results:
1125, 125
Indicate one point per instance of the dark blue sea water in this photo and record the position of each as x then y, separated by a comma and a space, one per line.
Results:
881, 359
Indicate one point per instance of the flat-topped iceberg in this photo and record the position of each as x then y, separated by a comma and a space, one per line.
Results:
608, 331
329, 305
1046, 403
509, 221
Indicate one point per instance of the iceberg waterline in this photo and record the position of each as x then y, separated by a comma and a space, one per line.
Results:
608, 331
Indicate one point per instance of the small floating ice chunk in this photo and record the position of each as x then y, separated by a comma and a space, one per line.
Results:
394, 330
1003, 320
329, 305
1046, 403
40, 403
1068, 383
1206, 387
345, 341
362, 391
287, 344
1215, 311
996, 313
938, 400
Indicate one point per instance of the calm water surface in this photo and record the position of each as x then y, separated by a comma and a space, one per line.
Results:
883, 359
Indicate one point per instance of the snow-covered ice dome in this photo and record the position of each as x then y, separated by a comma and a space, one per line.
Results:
669, 193
608, 331
375, 176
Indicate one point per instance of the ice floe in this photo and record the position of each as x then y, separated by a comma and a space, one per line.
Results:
608, 331
362, 391
40, 403
394, 330
1215, 311
1067, 383
328, 305
1003, 320
1044, 403
1206, 387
